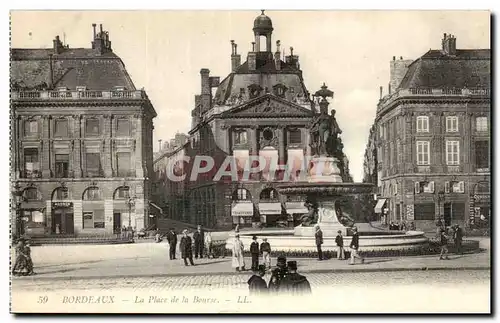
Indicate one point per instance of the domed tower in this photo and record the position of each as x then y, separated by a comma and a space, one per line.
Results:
263, 26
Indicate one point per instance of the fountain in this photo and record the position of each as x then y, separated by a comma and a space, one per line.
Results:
323, 189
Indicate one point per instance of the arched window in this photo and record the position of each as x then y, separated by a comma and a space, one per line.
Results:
254, 90
279, 90
482, 188
60, 193
122, 193
241, 194
269, 194
92, 194
32, 194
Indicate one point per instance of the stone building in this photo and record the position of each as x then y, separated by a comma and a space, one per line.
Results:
430, 140
262, 108
81, 141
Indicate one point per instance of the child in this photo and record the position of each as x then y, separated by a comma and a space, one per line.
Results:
256, 284
265, 250
339, 240
254, 250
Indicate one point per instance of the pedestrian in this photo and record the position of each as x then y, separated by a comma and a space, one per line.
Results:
443, 241
355, 247
457, 237
208, 245
265, 250
238, 258
294, 283
21, 258
158, 236
186, 246
256, 284
278, 274
199, 240
319, 241
339, 240
413, 227
254, 251
172, 243
29, 261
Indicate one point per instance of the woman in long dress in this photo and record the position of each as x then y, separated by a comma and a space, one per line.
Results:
238, 259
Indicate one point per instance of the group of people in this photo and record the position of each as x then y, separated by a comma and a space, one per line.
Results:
284, 280
201, 243
23, 265
444, 235
403, 226
256, 251
339, 241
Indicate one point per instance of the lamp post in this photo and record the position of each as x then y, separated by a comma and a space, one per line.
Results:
17, 194
440, 198
130, 202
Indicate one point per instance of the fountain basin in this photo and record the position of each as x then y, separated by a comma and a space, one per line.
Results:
368, 241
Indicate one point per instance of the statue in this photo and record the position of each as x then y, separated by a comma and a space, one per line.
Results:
311, 217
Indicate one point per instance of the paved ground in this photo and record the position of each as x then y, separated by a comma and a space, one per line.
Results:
151, 259
361, 292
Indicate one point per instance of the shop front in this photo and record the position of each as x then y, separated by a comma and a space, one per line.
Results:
62, 218
33, 218
242, 213
294, 211
270, 213
381, 209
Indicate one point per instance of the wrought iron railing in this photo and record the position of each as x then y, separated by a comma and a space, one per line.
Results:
76, 95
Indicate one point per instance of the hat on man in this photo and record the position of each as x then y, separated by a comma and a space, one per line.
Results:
355, 228
185, 231
292, 265
340, 231
254, 237
264, 239
281, 260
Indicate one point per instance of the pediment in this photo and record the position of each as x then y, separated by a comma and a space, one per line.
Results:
268, 106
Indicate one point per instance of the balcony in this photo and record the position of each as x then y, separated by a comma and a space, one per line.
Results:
76, 95
432, 92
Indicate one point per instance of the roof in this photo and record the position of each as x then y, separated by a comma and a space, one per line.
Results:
73, 67
435, 69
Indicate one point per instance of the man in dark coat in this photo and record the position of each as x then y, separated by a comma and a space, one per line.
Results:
339, 240
278, 274
186, 246
172, 243
457, 237
254, 251
199, 241
319, 241
355, 247
294, 283
256, 284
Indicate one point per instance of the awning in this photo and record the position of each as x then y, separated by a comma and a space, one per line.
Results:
296, 208
156, 207
242, 209
380, 205
270, 208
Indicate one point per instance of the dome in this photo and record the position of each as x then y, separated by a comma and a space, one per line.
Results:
262, 23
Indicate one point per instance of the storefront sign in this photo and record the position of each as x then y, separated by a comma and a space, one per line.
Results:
482, 197
62, 204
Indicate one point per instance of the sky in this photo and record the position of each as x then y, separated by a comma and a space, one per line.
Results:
350, 51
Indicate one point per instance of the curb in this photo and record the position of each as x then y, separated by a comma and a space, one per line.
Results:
246, 273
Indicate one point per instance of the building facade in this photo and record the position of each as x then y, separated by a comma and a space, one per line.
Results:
81, 142
429, 149
262, 108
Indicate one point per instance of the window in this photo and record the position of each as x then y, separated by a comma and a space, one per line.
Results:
61, 193
241, 194
269, 194
123, 127
482, 154
452, 152
31, 163
92, 127
422, 124
61, 128
93, 220
240, 137
279, 90
93, 164
424, 187
62, 165
423, 153
451, 124
92, 194
31, 194
454, 187
424, 211
481, 124
123, 164
295, 136
122, 193
30, 128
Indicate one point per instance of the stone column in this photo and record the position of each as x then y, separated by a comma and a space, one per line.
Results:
77, 149
139, 169
45, 153
78, 216
138, 219
48, 215
108, 216
226, 139
254, 148
282, 151
108, 154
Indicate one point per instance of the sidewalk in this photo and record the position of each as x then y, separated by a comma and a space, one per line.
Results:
150, 260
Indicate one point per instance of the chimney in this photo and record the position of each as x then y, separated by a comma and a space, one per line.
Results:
101, 43
398, 69
51, 73
252, 61
389, 88
58, 46
206, 93
381, 90
93, 27
449, 45
277, 56
235, 57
